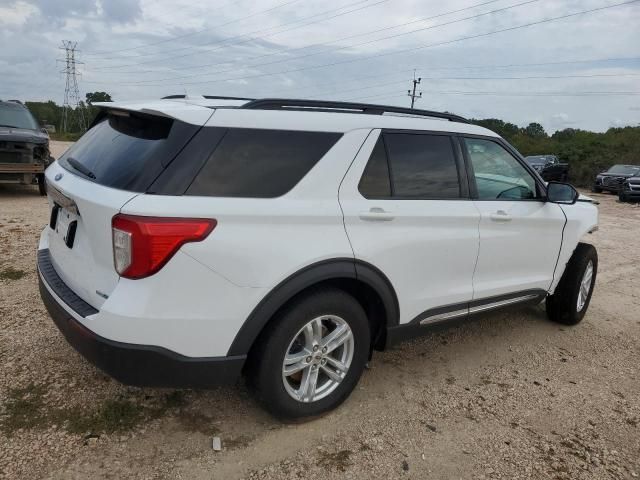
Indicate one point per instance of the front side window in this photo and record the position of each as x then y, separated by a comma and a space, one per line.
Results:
498, 175
411, 166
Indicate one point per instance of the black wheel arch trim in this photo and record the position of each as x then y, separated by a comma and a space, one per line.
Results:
333, 269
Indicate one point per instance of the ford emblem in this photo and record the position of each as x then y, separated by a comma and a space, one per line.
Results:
57, 177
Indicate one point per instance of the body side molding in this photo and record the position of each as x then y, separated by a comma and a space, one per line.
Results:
454, 314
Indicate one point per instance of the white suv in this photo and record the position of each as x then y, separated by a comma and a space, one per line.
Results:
195, 240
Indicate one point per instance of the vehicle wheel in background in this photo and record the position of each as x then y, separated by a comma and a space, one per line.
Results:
596, 190
42, 185
622, 197
570, 301
311, 358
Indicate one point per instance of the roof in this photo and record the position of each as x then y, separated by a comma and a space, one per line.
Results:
292, 114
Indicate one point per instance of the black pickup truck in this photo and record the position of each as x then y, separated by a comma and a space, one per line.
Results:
549, 167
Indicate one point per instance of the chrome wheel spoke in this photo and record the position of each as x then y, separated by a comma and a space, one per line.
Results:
337, 338
341, 367
294, 362
331, 374
308, 384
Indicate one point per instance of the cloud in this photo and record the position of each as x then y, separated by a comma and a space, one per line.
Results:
141, 49
121, 11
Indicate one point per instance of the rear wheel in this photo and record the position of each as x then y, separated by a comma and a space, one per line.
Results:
312, 358
571, 299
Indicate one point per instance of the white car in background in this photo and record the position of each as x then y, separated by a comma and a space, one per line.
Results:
192, 240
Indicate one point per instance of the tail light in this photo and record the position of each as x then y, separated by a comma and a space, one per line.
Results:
143, 245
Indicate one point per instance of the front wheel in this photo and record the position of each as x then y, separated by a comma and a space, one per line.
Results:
42, 185
312, 358
622, 197
596, 190
571, 299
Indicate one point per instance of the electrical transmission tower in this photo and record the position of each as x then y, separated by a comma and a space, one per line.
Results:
412, 94
71, 93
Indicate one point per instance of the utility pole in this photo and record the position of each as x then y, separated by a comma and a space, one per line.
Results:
412, 94
71, 93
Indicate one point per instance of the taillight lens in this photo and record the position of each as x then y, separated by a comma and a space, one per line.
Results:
143, 245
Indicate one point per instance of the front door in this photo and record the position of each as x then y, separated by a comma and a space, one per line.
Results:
520, 233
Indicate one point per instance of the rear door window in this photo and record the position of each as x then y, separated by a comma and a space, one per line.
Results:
260, 163
412, 166
127, 151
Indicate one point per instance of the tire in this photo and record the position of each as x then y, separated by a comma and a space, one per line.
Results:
563, 306
622, 197
42, 186
596, 190
284, 336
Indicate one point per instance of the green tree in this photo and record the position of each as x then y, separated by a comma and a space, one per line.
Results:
93, 97
535, 130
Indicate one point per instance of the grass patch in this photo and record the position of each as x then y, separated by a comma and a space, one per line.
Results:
11, 273
25, 409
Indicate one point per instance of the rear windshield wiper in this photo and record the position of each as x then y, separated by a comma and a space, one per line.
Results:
9, 126
80, 167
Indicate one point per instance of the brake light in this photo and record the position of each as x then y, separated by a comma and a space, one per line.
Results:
143, 245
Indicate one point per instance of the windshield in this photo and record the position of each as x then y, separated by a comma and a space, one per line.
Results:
16, 116
624, 169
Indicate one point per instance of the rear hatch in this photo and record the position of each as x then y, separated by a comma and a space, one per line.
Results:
117, 159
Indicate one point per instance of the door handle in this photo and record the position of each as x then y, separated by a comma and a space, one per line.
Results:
500, 216
377, 214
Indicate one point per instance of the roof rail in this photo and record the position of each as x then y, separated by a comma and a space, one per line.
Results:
208, 97
344, 107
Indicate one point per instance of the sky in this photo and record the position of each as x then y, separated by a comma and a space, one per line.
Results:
521, 61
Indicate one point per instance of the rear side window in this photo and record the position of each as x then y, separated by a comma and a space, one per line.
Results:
420, 166
127, 151
260, 163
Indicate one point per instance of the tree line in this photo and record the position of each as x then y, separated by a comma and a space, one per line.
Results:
587, 153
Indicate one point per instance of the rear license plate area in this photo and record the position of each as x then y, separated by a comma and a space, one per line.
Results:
65, 224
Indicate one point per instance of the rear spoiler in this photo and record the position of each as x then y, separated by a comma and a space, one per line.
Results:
188, 113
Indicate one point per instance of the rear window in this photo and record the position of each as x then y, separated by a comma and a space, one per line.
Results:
260, 163
127, 151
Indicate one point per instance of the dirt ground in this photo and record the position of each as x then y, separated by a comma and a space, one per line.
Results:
508, 396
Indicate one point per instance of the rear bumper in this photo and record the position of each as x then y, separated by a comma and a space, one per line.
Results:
131, 364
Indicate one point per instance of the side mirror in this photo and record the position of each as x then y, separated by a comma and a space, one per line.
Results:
562, 193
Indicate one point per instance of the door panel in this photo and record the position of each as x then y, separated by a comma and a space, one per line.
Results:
519, 246
427, 248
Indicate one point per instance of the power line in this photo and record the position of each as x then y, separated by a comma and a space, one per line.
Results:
406, 50
402, 73
344, 47
506, 94
286, 50
223, 43
280, 5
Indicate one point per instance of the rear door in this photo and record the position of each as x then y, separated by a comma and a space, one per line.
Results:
407, 212
112, 163
520, 233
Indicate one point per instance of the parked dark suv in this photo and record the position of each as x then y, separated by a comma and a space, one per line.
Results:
24, 146
630, 190
612, 179
549, 167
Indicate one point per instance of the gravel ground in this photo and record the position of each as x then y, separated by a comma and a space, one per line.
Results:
508, 396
